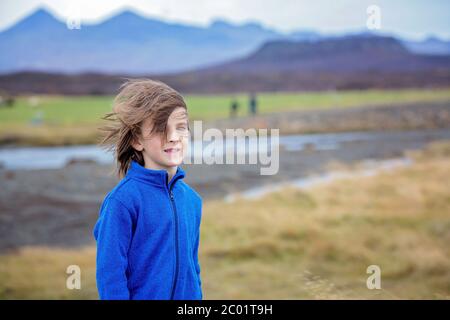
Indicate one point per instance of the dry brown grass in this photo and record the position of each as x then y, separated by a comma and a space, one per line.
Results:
40, 273
313, 244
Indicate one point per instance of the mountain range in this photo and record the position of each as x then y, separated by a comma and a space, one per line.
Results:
128, 43
40, 54
125, 43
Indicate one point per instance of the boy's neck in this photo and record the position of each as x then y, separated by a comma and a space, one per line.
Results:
171, 171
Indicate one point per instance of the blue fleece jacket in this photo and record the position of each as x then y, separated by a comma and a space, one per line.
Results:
147, 238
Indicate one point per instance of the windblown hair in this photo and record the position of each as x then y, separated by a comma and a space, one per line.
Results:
138, 100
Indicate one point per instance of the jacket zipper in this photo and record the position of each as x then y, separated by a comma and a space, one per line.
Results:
174, 210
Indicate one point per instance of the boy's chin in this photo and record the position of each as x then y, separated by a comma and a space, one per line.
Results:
173, 163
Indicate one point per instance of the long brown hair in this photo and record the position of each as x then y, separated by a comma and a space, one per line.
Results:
138, 100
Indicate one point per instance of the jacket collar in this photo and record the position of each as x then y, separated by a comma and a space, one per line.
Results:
153, 176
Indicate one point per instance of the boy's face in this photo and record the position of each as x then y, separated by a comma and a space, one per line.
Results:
160, 153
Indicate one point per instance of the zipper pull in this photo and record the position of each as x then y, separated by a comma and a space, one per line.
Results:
171, 195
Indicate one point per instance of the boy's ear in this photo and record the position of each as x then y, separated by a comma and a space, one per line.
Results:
136, 144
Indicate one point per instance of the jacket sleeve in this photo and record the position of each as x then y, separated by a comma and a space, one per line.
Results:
113, 233
196, 245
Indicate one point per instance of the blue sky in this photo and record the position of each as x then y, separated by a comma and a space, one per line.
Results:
414, 19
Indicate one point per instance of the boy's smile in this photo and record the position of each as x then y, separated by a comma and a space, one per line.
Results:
172, 151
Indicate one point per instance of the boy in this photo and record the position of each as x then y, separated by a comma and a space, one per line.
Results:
148, 228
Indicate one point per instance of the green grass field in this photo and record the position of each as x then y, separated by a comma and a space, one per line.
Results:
54, 120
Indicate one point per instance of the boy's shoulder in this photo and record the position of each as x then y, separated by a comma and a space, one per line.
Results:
191, 191
123, 191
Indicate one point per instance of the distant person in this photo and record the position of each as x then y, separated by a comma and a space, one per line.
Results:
234, 108
6, 100
253, 104
148, 228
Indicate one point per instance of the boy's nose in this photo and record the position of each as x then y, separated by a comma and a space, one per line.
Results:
172, 136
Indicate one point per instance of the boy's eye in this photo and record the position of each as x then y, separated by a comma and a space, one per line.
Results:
183, 129
182, 126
